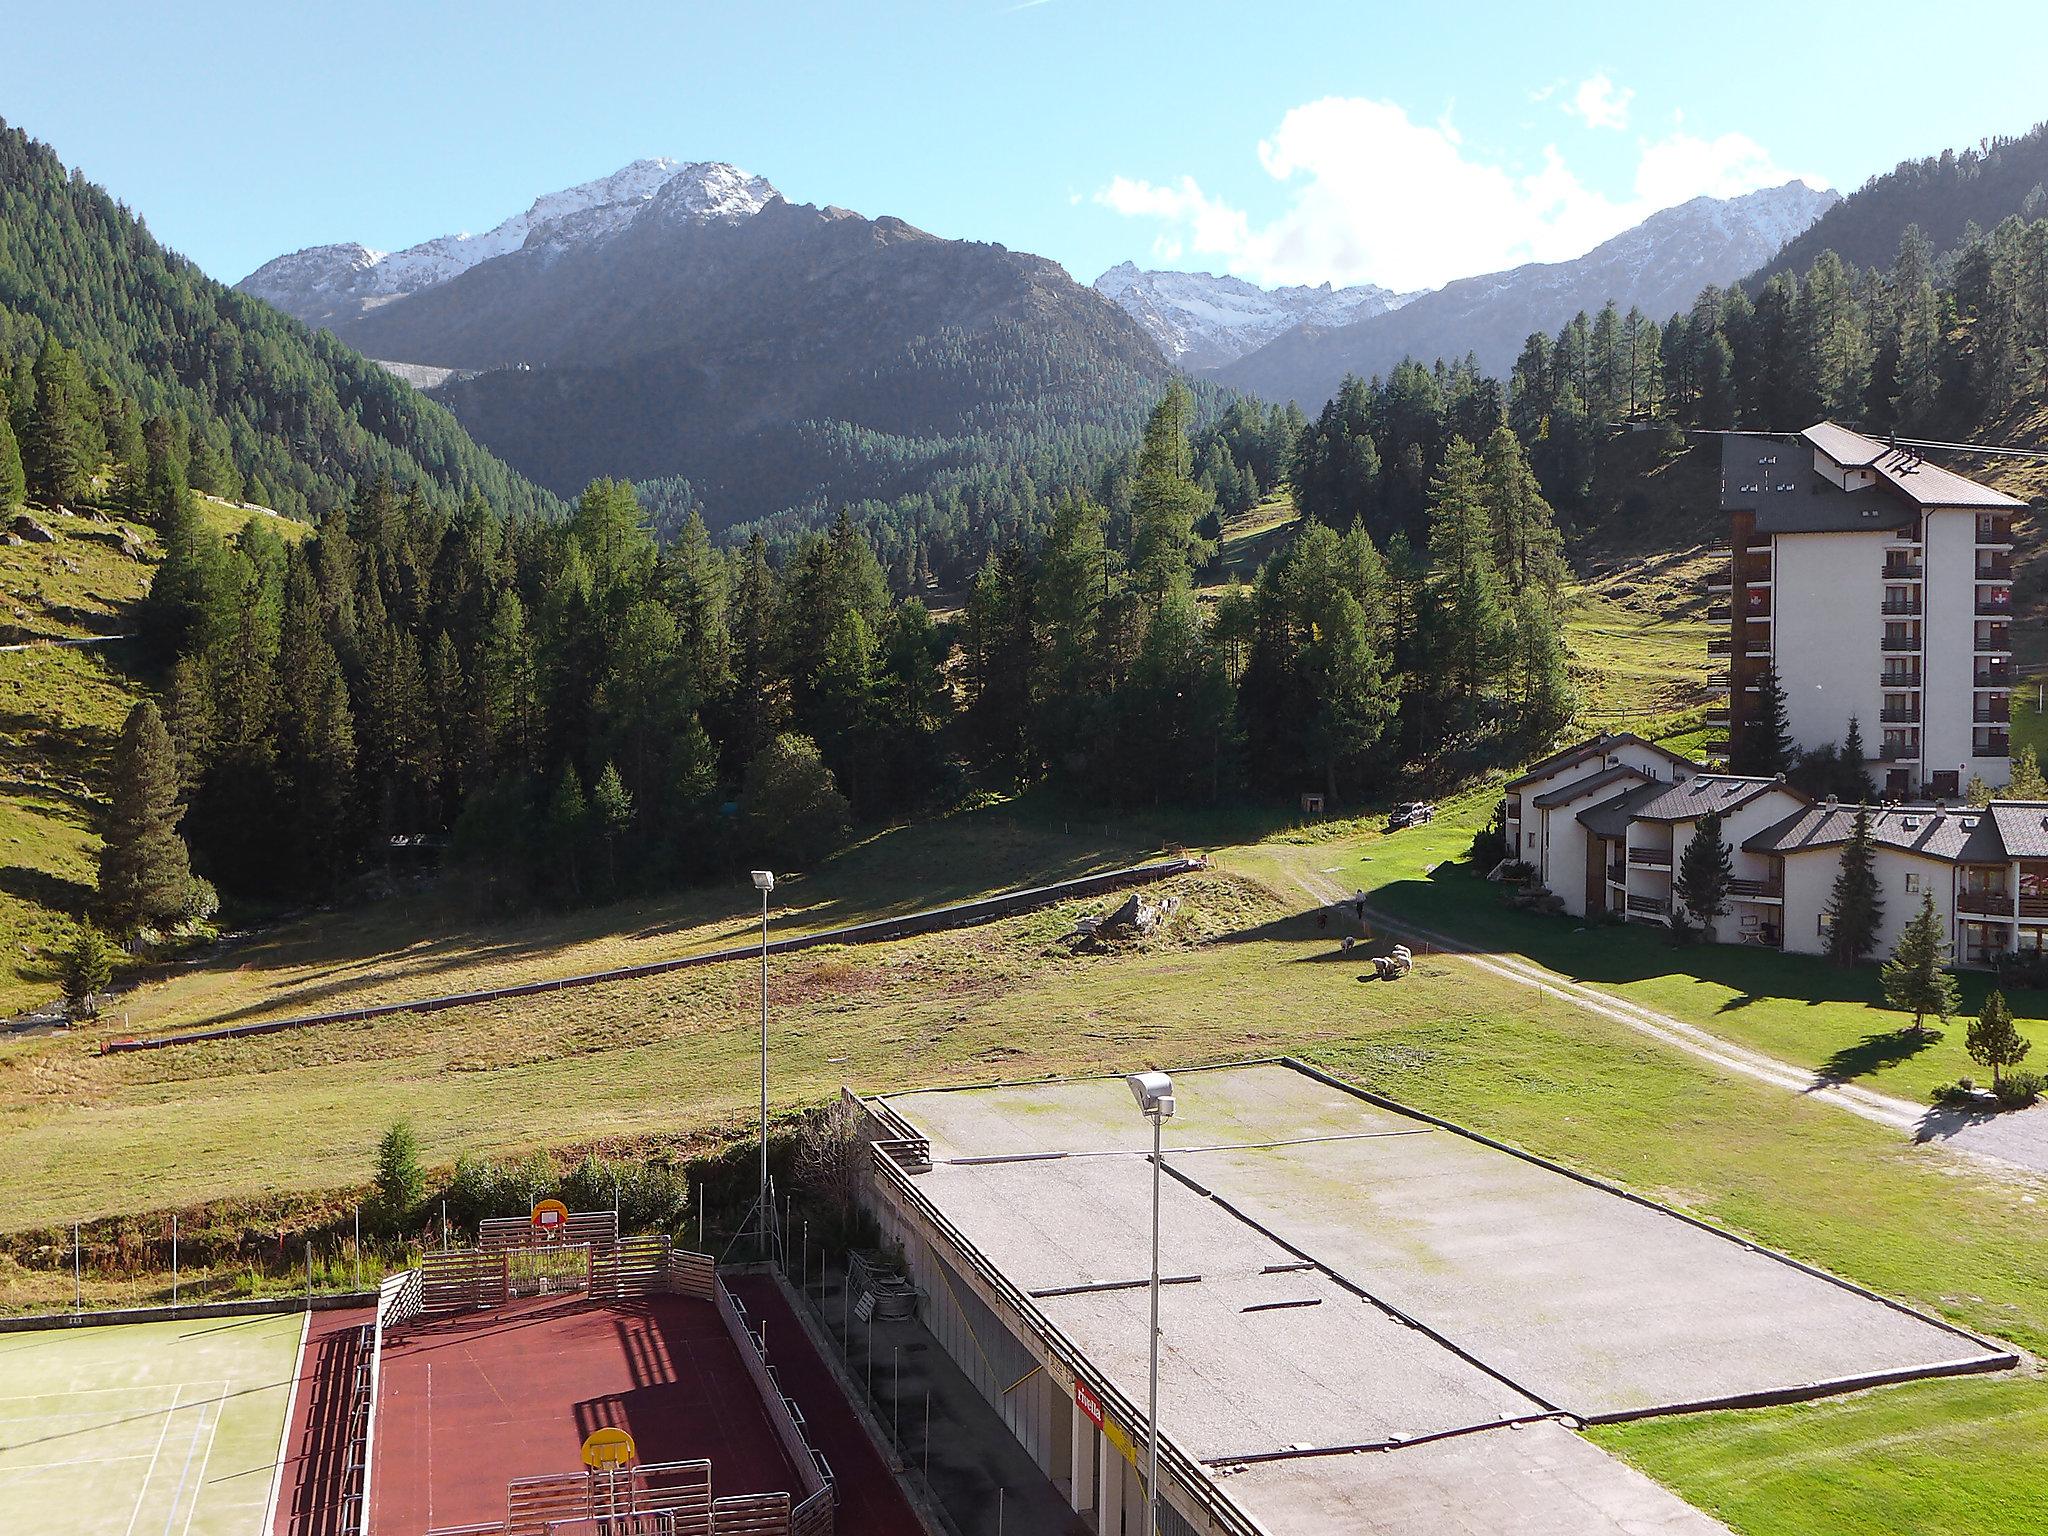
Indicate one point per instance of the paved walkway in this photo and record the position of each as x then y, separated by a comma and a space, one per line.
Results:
2018, 1140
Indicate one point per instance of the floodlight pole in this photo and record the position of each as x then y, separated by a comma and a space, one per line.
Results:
1152, 1409
764, 882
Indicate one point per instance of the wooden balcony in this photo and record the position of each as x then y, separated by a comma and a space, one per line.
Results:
1994, 567
1996, 604
1617, 874
1985, 903
1992, 744
1719, 714
1998, 712
1995, 639
1720, 579
1992, 529
1715, 746
1650, 858
1648, 906
2034, 909
1758, 890
1719, 613
1720, 645
1995, 676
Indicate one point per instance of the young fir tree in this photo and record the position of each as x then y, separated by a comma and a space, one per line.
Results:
1166, 504
1765, 747
1994, 1041
567, 826
145, 870
88, 968
1916, 978
1705, 870
401, 1180
56, 453
1855, 909
1856, 783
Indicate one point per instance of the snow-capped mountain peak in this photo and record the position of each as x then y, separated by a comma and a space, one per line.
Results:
1204, 321
327, 282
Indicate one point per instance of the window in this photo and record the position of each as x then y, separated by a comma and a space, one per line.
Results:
1912, 885
1532, 839
1823, 924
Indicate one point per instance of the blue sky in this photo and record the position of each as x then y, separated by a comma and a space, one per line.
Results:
1406, 144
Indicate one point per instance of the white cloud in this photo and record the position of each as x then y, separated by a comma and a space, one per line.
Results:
1375, 197
1600, 103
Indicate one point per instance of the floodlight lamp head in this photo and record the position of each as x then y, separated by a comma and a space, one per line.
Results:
764, 880
1154, 1093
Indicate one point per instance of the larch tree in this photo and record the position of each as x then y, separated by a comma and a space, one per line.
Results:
1166, 503
1464, 583
13, 485
145, 869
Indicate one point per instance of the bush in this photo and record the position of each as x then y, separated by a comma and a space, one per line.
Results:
2023, 968
1490, 842
793, 810
2019, 1089
1957, 1095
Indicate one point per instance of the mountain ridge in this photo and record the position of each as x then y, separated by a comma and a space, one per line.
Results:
1659, 265
1202, 321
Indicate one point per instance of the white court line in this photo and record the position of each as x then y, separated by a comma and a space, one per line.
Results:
199, 1487
77, 1461
161, 1435
185, 1476
284, 1435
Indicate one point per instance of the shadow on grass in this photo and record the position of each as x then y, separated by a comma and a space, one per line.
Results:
1874, 1053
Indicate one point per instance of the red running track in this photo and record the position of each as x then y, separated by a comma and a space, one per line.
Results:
309, 1501
870, 1502
468, 1404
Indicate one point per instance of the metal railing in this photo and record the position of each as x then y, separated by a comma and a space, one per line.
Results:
1899, 643
1995, 607
1899, 716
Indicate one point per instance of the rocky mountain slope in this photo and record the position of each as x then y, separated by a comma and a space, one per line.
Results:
1202, 321
1660, 265
326, 284
779, 356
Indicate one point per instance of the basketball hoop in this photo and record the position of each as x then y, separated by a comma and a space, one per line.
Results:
550, 1219
607, 1450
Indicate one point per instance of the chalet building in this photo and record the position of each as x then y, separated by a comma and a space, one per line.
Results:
1605, 824
1878, 586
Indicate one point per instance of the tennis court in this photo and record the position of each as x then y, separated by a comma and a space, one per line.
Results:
1371, 1320
149, 1429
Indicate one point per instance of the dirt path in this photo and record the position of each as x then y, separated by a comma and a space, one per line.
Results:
2019, 1140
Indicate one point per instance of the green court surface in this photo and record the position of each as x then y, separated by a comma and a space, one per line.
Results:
150, 1429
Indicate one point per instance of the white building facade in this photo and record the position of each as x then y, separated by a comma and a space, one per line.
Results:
1632, 813
1878, 587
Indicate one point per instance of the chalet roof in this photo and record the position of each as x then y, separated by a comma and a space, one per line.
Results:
1598, 746
1592, 783
2022, 827
1704, 793
1610, 818
1920, 483
1774, 477
1953, 834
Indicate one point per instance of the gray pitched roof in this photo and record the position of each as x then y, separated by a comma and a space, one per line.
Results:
1774, 478
2022, 827
1702, 793
1955, 835
1591, 783
1919, 482
1610, 818
1597, 746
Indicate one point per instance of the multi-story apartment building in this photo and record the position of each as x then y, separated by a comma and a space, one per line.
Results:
1877, 586
1604, 825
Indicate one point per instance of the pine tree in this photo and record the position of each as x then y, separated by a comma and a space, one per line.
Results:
1166, 504
1464, 585
1994, 1041
145, 870
567, 829
1916, 978
55, 452
13, 485
1705, 871
1855, 909
88, 968
1764, 747
1545, 695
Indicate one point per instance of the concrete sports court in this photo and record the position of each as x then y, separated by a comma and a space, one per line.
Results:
144, 1430
1372, 1321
